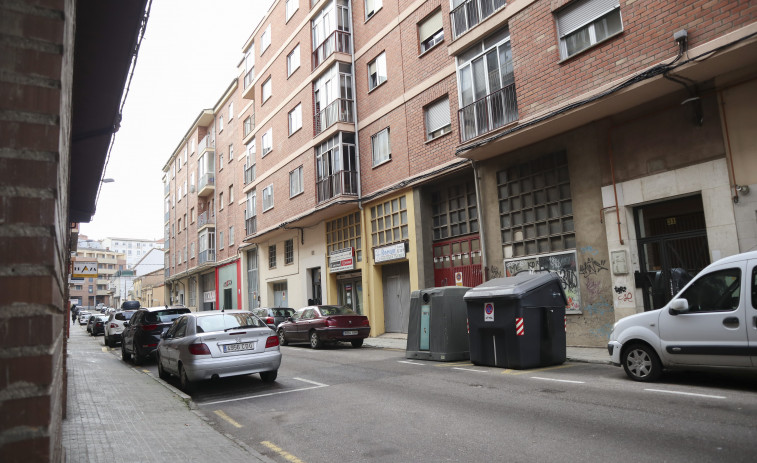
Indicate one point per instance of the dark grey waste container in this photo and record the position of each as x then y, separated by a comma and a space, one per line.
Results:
437, 327
517, 322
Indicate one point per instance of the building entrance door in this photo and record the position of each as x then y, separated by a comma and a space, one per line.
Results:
396, 281
280, 295
351, 294
459, 257
672, 247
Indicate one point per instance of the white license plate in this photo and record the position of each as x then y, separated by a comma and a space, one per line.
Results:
239, 346
349, 333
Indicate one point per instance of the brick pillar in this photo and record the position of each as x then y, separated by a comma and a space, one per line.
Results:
36, 54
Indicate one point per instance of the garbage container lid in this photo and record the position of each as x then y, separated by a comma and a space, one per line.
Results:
512, 286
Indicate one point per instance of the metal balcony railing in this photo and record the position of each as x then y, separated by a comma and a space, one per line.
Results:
489, 113
249, 124
468, 14
340, 183
204, 219
206, 256
337, 41
205, 180
249, 77
251, 225
249, 174
206, 143
339, 110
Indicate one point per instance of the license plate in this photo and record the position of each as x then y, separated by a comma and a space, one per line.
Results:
349, 333
239, 346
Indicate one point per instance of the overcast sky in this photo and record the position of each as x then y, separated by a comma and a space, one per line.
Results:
187, 60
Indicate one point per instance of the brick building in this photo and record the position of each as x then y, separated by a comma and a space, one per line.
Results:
385, 146
91, 291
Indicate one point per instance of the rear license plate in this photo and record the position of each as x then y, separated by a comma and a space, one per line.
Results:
239, 346
349, 333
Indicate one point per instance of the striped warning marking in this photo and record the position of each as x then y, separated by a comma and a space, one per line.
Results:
227, 418
519, 328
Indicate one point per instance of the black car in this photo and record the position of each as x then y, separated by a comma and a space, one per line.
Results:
97, 324
141, 334
273, 315
130, 305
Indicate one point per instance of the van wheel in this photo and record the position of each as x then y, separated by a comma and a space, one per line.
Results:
641, 363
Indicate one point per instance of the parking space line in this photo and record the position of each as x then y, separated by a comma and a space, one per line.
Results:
708, 396
454, 364
470, 369
311, 382
409, 362
227, 418
558, 380
258, 396
534, 370
286, 455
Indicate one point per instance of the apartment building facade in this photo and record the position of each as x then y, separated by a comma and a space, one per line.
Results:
133, 249
387, 146
90, 291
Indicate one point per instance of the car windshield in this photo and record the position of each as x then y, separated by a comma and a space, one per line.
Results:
123, 315
164, 316
283, 312
228, 321
335, 310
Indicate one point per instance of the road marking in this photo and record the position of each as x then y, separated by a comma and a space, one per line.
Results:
317, 386
409, 362
454, 364
105, 349
146, 371
227, 418
522, 372
287, 456
558, 380
470, 369
687, 393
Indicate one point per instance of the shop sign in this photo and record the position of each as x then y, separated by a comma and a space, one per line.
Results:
341, 260
387, 253
209, 296
84, 270
227, 283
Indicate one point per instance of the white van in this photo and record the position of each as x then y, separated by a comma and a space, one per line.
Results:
711, 322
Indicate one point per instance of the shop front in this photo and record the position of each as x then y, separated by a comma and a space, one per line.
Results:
349, 282
228, 294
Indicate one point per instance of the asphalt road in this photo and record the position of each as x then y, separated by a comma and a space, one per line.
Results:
351, 405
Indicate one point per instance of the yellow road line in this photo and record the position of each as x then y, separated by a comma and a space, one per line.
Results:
227, 418
287, 456
521, 372
454, 364
146, 371
106, 349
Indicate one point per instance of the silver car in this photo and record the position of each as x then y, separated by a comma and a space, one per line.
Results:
206, 345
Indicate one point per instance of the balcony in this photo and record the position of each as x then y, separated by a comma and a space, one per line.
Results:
340, 183
167, 244
166, 217
248, 126
166, 189
205, 219
468, 14
491, 112
206, 256
249, 174
337, 41
206, 184
249, 90
340, 110
251, 225
207, 143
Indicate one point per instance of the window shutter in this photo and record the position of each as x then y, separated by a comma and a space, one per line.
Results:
581, 13
437, 115
430, 26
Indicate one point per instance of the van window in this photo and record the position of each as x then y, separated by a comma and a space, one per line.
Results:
716, 292
754, 287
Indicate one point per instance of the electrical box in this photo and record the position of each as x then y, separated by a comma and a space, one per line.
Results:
619, 262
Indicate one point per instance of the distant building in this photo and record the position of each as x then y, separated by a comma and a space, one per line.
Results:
151, 261
91, 291
149, 289
134, 249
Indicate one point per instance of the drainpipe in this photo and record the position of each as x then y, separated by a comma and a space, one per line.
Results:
480, 222
614, 185
354, 111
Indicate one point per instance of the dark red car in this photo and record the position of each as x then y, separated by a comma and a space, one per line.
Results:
319, 324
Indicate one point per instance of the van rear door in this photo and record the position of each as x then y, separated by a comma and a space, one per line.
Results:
751, 309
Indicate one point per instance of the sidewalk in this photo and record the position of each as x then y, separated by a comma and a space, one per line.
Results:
574, 354
118, 413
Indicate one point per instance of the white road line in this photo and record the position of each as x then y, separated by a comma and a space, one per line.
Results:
470, 369
319, 385
311, 382
687, 393
558, 380
410, 363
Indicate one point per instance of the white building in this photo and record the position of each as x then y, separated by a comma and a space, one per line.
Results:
133, 249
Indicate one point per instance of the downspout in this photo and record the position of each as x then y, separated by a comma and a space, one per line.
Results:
729, 157
614, 184
354, 112
480, 222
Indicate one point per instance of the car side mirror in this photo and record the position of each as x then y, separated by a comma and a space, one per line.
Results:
126, 324
290, 319
678, 306
164, 335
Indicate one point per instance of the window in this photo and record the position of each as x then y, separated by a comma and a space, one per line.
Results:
272, 256
185, 187
336, 166
377, 71
247, 126
249, 65
250, 219
220, 123
295, 182
293, 60
231, 236
266, 89
371, 7
454, 211
430, 31
717, 292
389, 222
288, 252
185, 223
179, 225
437, 118
220, 200
344, 233
220, 240
231, 111
267, 141
380, 147
268, 197
220, 161
291, 8
192, 250
295, 119
265, 39
231, 153
585, 23
231, 194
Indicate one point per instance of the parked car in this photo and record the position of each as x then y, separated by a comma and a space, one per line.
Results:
83, 317
141, 333
273, 315
90, 320
205, 345
324, 323
709, 323
96, 324
115, 326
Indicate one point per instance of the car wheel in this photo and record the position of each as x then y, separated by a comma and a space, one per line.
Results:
357, 343
315, 341
186, 384
136, 358
162, 374
641, 363
125, 356
282, 339
269, 376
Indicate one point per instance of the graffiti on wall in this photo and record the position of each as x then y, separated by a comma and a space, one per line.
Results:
562, 264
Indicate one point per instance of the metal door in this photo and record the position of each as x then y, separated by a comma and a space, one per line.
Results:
396, 297
279, 294
459, 256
